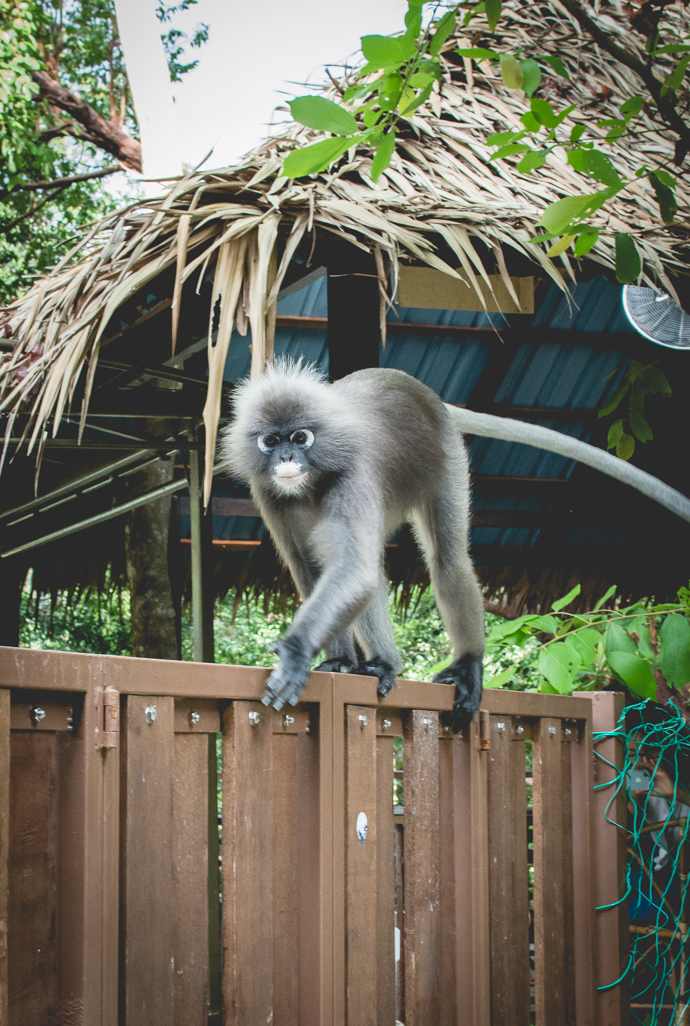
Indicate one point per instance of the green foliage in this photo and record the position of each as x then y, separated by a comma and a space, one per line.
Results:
639, 382
567, 652
77, 43
89, 625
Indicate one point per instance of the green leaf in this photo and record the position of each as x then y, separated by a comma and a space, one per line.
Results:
626, 447
655, 380
559, 663
559, 215
509, 151
635, 672
560, 246
576, 133
639, 426
632, 106
547, 624
501, 138
543, 112
672, 48
644, 646
382, 52
390, 91
561, 603
628, 263
666, 178
511, 72
383, 155
323, 115
493, 10
443, 30
668, 207
615, 434
675, 79
675, 650
599, 166
532, 160
556, 64
502, 630
613, 401
317, 157
605, 597
585, 644
616, 640
531, 76
585, 241
478, 53
500, 679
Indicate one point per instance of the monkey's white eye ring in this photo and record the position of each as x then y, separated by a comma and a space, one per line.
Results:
267, 443
304, 437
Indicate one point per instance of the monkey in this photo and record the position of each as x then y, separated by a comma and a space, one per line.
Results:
335, 469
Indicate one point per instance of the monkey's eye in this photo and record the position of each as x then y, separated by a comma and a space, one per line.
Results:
303, 437
267, 443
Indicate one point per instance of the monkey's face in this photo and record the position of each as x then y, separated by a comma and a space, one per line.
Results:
287, 458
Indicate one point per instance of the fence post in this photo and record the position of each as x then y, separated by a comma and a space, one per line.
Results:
610, 862
4, 842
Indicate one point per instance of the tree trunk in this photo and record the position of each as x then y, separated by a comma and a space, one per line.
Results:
155, 624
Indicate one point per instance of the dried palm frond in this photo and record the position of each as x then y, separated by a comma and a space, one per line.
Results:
441, 186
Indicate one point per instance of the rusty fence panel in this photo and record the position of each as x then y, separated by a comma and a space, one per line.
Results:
125, 907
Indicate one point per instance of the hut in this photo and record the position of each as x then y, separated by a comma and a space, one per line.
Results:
119, 364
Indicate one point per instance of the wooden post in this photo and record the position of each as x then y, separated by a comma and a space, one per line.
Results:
609, 868
4, 842
353, 311
202, 536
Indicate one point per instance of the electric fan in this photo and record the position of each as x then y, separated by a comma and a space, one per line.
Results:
656, 316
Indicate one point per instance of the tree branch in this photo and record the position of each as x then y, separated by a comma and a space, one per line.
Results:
106, 135
60, 183
664, 103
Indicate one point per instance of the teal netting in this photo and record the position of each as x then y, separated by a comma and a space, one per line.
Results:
656, 750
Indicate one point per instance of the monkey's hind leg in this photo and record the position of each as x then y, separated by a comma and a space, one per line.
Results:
341, 656
442, 531
374, 633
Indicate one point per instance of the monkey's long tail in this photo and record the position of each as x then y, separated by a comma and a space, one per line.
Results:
508, 430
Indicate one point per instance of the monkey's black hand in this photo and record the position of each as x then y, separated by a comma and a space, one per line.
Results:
287, 681
378, 668
466, 674
339, 664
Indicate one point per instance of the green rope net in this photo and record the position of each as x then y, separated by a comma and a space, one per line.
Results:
656, 744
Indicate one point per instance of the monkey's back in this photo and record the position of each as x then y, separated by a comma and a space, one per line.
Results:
411, 435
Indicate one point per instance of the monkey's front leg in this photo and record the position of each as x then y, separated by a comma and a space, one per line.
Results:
342, 592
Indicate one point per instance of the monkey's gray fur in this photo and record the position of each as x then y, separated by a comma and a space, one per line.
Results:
335, 469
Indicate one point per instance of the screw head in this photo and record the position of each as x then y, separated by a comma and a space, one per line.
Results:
151, 714
427, 724
446, 728
363, 721
500, 727
567, 732
520, 730
385, 724
552, 731
38, 714
288, 720
194, 719
254, 718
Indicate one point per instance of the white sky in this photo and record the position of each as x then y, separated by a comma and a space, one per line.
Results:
255, 52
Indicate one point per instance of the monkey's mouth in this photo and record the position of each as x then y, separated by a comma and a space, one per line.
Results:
289, 476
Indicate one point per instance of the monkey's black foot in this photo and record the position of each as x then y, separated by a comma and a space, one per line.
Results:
287, 681
339, 664
466, 674
378, 668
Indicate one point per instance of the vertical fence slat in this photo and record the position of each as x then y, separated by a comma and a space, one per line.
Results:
4, 842
447, 955
247, 921
190, 861
549, 956
422, 886
147, 888
385, 882
286, 894
568, 893
610, 846
32, 918
214, 945
473, 983
110, 878
584, 932
508, 877
360, 865
310, 898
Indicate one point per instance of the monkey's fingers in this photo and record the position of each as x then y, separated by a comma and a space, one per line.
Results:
378, 668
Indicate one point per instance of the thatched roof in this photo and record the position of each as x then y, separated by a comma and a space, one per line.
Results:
441, 203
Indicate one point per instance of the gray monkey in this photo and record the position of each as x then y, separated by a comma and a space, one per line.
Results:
335, 469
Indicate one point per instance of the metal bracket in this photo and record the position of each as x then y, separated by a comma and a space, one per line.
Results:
484, 730
107, 717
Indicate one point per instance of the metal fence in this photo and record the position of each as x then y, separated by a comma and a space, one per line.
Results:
473, 903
